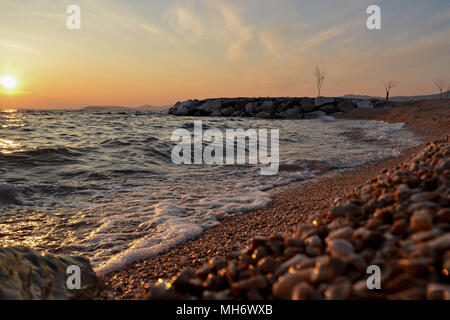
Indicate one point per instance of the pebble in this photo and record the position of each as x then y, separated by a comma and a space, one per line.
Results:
343, 209
282, 289
340, 248
405, 232
420, 221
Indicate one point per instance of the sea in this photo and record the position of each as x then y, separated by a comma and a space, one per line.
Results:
103, 185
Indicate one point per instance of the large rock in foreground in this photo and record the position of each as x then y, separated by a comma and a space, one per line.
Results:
27, 274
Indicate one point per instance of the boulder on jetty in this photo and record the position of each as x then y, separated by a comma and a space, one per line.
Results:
398, 223
270, 108
25, 274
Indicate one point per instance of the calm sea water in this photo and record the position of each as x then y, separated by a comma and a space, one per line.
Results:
102, 184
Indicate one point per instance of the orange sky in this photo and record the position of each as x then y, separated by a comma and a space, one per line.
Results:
160, 52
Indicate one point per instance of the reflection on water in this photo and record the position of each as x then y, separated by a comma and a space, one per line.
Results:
8, 146
10, 118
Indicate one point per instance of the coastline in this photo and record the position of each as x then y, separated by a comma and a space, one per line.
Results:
291, 205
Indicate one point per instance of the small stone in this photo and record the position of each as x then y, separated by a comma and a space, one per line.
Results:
443, 216
323, 270
258, 282
297, 259
282, 289
259, 253
276, 246
313, 246
340, 248
181, 280
415, 266
292, 242
217, 263
213, 282
228, 111
399, 226
357, 262
268, 107
268, 264
257, 241
263, 115
342, 233
440, 244
420, 221
339, 291
304, 291
442, 165
320, 101
403, 191
345, 208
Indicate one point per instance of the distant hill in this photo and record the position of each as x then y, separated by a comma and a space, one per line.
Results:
105, 108
399, 98
120, 108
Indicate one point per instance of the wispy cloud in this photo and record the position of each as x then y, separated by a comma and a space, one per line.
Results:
211, 20
324, 36
280, 40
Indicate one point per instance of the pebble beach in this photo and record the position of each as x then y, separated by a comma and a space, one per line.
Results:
316, 238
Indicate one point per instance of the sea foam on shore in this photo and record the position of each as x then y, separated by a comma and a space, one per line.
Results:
397, 224
113, 195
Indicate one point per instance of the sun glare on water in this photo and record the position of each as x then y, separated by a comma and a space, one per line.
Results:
8, 82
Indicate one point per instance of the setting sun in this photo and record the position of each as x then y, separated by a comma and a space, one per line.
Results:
9, 82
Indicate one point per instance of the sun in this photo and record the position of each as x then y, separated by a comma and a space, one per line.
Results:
9, 82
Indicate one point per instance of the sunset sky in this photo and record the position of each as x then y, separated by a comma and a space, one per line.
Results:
135, 52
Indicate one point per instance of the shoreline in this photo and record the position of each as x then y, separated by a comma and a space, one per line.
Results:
291, 205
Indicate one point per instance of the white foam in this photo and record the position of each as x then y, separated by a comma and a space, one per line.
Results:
380, 130
155, 217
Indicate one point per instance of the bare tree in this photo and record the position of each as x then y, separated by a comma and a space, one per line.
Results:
388, 86
320, 78
440, 84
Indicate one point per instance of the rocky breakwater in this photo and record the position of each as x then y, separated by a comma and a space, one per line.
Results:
270, 108
27, 274
399, 222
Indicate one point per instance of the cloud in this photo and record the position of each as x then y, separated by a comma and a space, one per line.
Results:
278, 41
211, 20
324, 36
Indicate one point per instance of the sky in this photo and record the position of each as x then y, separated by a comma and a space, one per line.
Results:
158, 52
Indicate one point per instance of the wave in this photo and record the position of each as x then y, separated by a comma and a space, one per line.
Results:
10, 194
43, 152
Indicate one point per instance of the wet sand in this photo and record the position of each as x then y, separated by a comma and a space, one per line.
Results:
291, 205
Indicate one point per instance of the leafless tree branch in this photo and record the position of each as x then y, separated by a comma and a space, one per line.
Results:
320, 78
440, 84
388, 86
